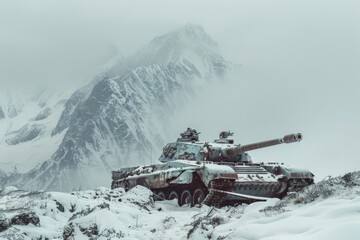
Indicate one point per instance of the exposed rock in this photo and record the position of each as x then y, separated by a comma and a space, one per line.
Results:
25, 134
69, 232
2, 114
4, 224
59, 206
43, 114
90, 231
25, 219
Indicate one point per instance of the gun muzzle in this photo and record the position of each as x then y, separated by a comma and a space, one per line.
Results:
292, 138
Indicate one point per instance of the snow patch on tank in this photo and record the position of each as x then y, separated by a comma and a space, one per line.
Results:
218, 169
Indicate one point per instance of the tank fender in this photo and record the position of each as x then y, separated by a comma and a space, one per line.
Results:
292, 172
213, 171
289, 172
184, 178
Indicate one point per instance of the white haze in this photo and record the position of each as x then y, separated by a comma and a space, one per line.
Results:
300, 65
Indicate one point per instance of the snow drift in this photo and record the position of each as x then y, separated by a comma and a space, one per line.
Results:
326, 210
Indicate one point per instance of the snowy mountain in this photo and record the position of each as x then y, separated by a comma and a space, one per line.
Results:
10, 106
121, 117
190, 45
327, 210
25, 128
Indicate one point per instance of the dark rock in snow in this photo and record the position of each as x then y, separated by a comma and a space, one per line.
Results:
25, 219
4, 224
25, 134
90, 231
59, 206
69, 232
43, 114
2, 114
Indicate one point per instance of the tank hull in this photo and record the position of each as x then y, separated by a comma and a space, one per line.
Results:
206, 182
215, 173
173, 179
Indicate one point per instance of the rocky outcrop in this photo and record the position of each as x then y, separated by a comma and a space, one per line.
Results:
25, 219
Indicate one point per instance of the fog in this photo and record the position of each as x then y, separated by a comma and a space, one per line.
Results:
300, 65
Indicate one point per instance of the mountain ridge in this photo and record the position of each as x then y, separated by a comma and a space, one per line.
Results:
119, 118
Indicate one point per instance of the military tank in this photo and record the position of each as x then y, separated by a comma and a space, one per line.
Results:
214, 173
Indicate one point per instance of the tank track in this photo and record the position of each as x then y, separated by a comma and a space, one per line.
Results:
296, 185
218, 191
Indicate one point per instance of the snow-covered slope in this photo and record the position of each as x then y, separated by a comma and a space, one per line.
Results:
190, 45
328, 210
121, 117
25, 127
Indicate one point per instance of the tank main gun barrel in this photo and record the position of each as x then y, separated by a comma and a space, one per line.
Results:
248, 147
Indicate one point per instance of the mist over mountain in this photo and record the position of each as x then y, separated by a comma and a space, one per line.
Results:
120, 118
25, 129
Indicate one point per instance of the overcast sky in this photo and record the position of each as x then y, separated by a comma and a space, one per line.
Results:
300, 64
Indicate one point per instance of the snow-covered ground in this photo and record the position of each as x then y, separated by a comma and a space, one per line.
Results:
328, 210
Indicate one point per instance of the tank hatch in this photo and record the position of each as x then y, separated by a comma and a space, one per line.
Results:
223, 137
190, 135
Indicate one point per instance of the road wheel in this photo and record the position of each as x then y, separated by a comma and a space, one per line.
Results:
199, 196
173, 195
185, 198
160, 196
